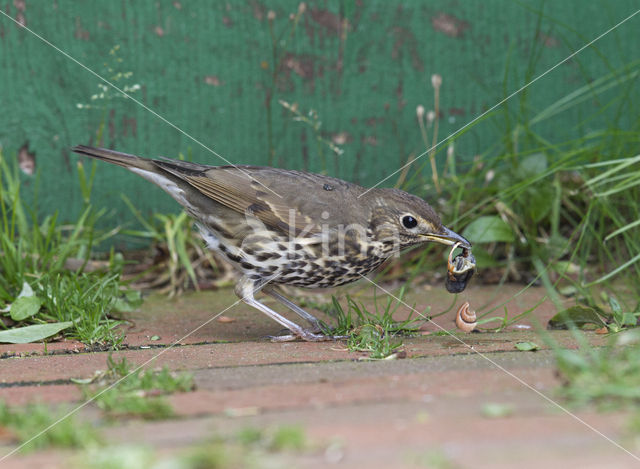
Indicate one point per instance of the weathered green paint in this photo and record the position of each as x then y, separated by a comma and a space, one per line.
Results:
207, 67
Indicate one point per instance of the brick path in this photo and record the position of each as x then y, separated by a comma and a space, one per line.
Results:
423, 411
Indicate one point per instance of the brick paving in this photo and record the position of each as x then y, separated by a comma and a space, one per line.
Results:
424, 410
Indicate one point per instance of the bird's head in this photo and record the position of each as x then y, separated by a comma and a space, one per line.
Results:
408, 220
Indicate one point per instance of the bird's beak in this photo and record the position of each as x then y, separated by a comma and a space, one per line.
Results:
448, 237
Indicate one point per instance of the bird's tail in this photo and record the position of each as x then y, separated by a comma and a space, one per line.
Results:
170, 181
121, 159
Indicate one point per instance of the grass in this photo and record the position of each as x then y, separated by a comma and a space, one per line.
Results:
119, 392
241, 449
187, 261
140, 393
376, 333
560, 214
250, 447
24, 423
288, 438
49, 282
608, 377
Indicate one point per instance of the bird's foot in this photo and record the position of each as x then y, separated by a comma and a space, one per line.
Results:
307, 336
318, 327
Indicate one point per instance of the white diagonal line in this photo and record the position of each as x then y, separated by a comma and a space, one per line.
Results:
112, 385
384, 290
509, 373
139, 103
526, 85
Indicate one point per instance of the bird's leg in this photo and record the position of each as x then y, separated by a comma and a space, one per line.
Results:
318, 326
246, 288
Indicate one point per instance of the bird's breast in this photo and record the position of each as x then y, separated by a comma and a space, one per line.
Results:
314, 262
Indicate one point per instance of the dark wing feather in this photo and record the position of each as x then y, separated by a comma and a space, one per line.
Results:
242, 190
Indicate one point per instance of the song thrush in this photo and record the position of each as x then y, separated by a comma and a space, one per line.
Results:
287, 227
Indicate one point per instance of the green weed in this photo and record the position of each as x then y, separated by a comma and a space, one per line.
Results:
288, 437
140, 393
49, 284
187, 261
608, 377
432, 459
24, 423
597, 314
312, 121
115, 457
215, 455
377, 333
250, 447
563, 214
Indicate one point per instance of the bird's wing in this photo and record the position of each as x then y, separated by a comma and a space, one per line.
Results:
252, 190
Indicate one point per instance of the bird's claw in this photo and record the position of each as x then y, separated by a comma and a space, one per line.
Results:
307, 336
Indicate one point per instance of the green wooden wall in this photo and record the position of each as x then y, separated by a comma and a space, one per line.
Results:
217, 70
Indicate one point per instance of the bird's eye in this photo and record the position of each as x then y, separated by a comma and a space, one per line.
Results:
409, 222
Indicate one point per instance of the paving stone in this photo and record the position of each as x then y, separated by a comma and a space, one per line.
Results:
390, 413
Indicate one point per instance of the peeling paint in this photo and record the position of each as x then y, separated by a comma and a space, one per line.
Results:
111, 124
371, 140
547, 40
213, 80
405, 39
129, 124
399, 94
300, 65
21, 6
341, 138
80, 32
258, 10
449, 25
26, 160
331, 22
374, 121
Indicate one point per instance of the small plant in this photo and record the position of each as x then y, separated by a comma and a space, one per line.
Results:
119, 391
218, 454
313, 122
106, 92
245, 449
183, 260
248, 446
376, 333
25, 423
433, 459
48, 282
563, 214
116, 457
288, 437
607, 315
606, 376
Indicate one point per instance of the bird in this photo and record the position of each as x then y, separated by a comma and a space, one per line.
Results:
288, 227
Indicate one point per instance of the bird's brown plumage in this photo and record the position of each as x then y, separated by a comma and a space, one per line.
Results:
290, 227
